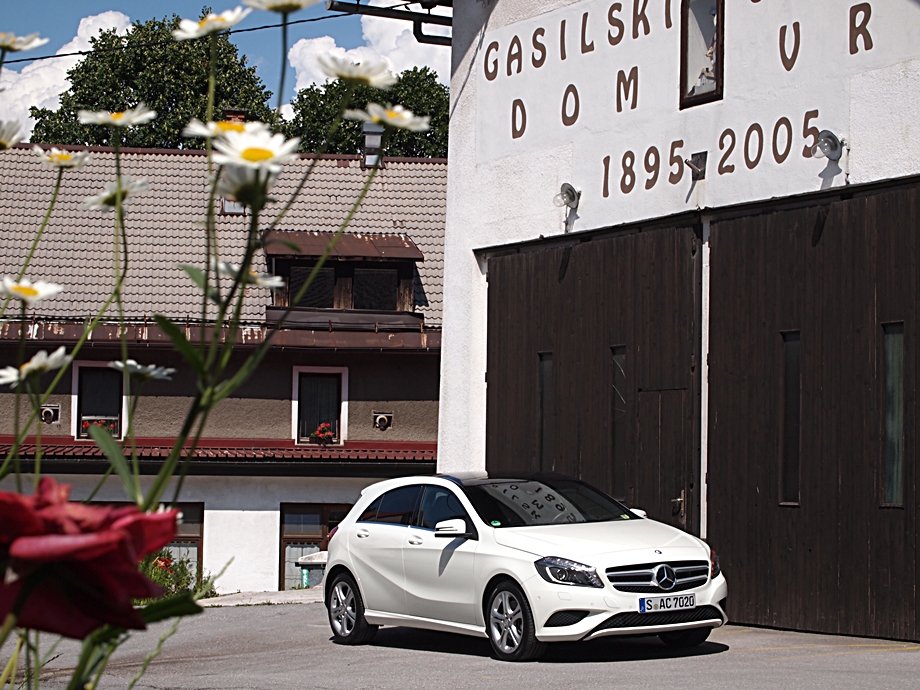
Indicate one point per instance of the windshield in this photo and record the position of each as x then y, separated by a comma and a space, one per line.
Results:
543, 501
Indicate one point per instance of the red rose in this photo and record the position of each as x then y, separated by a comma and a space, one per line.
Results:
78, 561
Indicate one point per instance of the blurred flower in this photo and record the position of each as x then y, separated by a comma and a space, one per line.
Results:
392, 116
266, 280
375, 74
79, 561
280, 6
11, 43
127, 118
27, 291
188, 28
39, 364
62, 159
150, 371
109, 198
197, 128
246, 185
255, 149
11, 133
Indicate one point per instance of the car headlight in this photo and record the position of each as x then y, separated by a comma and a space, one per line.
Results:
714, 567
561, 571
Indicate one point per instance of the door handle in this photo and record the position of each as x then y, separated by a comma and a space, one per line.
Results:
681, 501
415, 541
362, 533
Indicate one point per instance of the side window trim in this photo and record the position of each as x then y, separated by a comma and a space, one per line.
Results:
413, 518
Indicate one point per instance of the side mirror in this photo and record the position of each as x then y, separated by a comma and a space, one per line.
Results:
452, 529
638, 511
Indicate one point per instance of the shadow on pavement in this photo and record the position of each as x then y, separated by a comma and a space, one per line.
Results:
604, 649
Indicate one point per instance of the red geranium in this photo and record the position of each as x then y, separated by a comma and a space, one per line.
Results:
75, 564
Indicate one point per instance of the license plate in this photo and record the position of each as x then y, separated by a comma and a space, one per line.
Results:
675, 603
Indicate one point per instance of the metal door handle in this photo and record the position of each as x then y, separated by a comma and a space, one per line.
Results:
680, 501
415, 541
363, 533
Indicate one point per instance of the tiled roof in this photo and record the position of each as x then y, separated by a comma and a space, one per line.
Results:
164, 225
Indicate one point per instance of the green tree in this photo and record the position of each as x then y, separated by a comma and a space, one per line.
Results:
417, 89
147, 65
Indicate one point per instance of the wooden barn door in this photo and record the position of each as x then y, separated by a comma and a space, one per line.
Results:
663, 489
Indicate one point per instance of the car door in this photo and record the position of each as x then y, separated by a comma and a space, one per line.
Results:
376, 542
439, 571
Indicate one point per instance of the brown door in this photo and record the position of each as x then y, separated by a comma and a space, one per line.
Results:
662, 489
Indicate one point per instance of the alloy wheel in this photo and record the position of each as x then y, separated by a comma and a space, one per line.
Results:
342, 608
506, 624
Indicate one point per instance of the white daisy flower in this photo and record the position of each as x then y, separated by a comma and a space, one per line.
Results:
150, 371
189, 28
11, 133
208, 130
62, 159
245, 184
255, 149
140, 115
266, 280
376, 74
11, 43
39, 364
392, 116
280, 6
27, 291
109, 197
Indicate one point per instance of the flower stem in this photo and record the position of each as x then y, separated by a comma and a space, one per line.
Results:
284, 40
20, 358
8, 624
12, 665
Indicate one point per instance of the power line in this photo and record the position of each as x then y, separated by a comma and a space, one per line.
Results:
155, 43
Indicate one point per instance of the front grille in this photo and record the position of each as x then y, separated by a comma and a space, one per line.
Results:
646, 620
641, 578
560, 619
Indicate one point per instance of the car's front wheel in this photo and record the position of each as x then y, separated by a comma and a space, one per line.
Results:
685, 638
346, 612
510, 623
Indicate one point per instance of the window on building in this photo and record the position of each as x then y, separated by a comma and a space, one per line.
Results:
376, 289
343, 284
619, 426
547, 412
893, 411
305, 530
701, 51
792, 416
321, 292
320, 398
188, 542
99, 399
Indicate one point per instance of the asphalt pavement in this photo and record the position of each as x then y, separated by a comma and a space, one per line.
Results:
288, 646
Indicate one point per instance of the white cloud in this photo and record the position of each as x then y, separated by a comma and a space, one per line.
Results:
390, 39
41, 83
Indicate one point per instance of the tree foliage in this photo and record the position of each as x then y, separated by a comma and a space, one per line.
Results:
147, 65
316, 107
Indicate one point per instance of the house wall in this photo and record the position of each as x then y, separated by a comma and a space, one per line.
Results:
405, 385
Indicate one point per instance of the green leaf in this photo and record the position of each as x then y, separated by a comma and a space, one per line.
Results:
192, 356
116, 455
172, 607
198, 277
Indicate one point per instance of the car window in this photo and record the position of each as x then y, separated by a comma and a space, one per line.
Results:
439, 504
370, 513
397, 507
542, 501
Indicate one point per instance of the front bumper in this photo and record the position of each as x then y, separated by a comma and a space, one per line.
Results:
580, 613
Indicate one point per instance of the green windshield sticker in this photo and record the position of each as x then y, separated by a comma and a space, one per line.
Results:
496, 523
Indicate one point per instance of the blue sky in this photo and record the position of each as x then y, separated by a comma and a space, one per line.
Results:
69, 23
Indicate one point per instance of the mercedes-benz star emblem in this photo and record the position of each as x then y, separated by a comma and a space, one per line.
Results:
665, 577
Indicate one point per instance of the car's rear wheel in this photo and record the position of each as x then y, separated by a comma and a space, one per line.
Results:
685, 638
346, 612
510, 624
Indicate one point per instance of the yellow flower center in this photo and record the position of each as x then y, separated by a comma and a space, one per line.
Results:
229, 126
210, 19
117, 116
24, 290
393, 115
59, 158
257, 155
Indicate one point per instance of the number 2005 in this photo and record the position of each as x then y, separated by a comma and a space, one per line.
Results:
752, 151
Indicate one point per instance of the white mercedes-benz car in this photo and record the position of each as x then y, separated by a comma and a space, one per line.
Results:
523, 561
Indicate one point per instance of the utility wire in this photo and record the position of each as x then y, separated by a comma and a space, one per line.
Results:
155, 43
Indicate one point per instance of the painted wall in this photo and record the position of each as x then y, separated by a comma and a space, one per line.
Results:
405, 385
242, 518
856, 72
